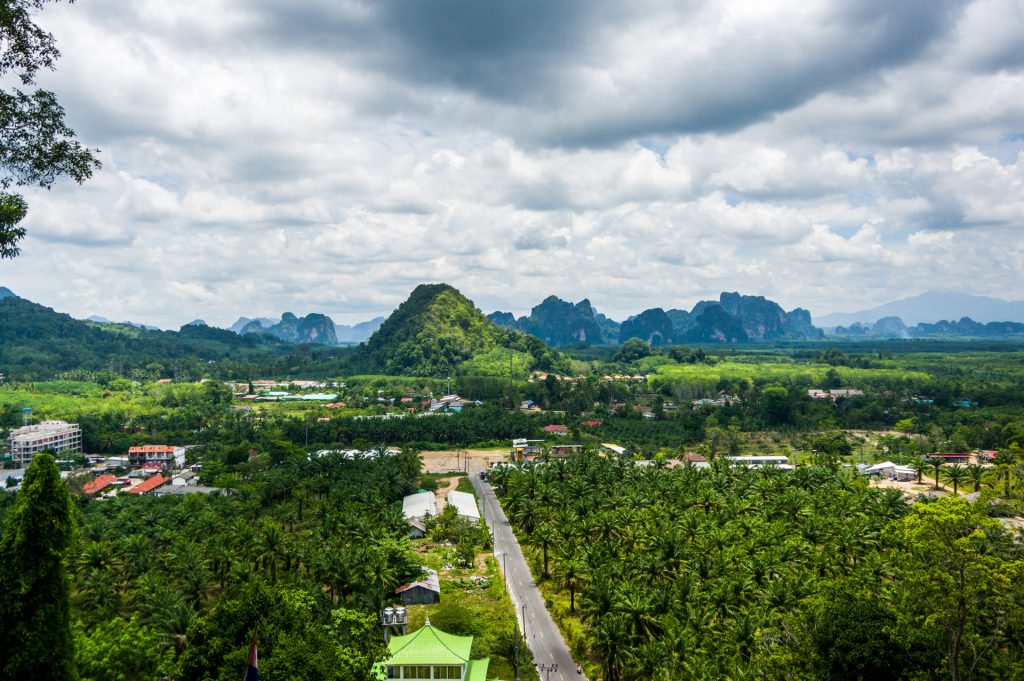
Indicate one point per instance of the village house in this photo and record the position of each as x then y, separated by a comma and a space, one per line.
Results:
166, 456
423, 591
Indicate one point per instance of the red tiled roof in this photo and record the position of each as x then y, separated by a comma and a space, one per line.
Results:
593, 423
554, 429
149, 484
99, 484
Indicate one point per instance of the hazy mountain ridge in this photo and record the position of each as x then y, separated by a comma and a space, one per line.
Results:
313, 328
893, 327
285, 329
933, 307
357, 333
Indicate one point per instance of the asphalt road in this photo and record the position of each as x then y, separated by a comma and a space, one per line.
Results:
542, 635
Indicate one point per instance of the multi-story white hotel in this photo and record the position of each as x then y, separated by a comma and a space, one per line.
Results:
59, 437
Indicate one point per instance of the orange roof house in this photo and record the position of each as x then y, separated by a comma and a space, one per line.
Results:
149, 485
99, 484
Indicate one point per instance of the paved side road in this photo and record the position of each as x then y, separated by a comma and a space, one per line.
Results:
542, 635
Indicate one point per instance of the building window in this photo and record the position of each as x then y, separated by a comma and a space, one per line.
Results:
448, 672
393, 672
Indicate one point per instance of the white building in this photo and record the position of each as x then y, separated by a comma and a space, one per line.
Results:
59, 437
465, 504
416, 508
780, 462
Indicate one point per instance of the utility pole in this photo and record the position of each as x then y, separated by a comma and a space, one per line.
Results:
515, 656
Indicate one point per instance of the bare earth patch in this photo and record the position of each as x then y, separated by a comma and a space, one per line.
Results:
461, 459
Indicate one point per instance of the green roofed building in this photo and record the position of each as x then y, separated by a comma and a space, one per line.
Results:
430, 653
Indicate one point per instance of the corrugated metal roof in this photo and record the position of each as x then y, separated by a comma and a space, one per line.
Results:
464, 503
419, 505
430, 582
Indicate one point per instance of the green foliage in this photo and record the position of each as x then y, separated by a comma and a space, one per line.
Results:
36, 146
119, 650
296, 641
632, 350
959, 574
35, 625
733, 573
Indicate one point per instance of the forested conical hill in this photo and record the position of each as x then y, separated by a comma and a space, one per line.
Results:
438, 329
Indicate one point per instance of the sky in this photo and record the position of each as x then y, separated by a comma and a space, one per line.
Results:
263, 156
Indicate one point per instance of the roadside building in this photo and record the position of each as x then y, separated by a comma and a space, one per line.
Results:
59, 437
464, 504
523, 449
560, 451
423, 591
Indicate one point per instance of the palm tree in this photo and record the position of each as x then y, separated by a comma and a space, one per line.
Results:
270, 547
975, 473
937, 464
955, 474
544, 534
572, 571
919, 465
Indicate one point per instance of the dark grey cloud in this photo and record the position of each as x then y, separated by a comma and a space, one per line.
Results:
534, 58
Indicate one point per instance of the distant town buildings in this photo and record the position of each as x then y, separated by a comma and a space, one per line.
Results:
59, 437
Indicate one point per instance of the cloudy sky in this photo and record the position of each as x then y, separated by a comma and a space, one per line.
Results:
263, 156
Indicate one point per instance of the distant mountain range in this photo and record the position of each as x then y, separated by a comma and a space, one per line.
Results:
313, 328
733, 318
932, 307
893, 327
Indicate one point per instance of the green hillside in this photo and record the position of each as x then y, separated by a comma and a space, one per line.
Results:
438, 329
37, 342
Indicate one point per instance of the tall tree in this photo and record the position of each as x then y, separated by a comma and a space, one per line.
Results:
35, 623
36, 145
956, 574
